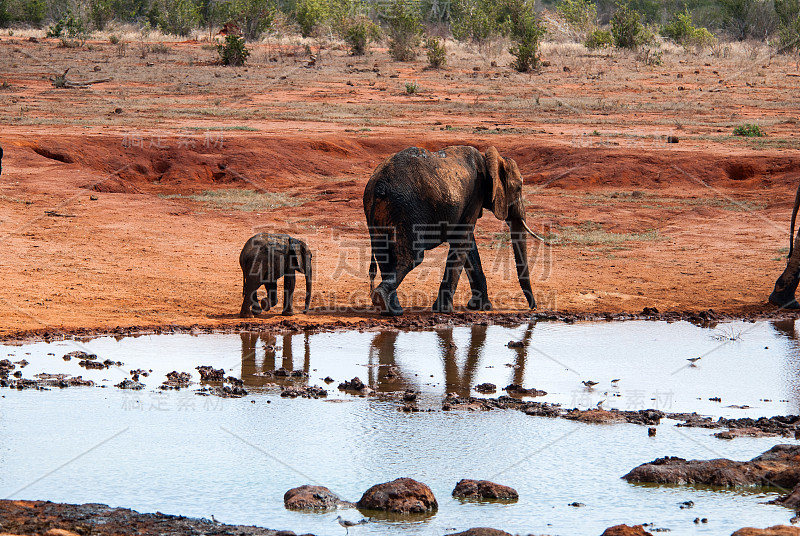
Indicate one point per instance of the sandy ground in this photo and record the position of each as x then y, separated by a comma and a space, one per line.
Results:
98, 229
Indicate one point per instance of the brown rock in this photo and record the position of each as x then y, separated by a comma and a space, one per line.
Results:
481, 531
483, 489
779, 466
595, 416
312, 498
403, 495
777, 530
625, 530
792, 500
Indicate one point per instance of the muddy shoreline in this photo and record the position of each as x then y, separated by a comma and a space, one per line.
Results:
410, 321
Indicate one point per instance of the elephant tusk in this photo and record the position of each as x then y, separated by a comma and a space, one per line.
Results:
525, 225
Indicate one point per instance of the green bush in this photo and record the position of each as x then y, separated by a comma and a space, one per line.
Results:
599, 39
436, 52
412, 88
254, 17
33, 12
70, 28
233, 51
177, 17
404, 24
627, 28
311, 14
745, 19
477, 21
788, 12
100, 13
682, 30
580, 14
358, 32
526, 30
749, 130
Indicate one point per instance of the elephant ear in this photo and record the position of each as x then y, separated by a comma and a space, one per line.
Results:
495, 169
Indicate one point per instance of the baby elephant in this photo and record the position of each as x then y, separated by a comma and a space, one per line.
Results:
265, 258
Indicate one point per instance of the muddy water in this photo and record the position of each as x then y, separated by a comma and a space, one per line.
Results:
182, 453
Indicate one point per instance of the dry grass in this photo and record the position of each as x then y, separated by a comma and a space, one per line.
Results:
244, 200
592, 234
698, 93
650, 200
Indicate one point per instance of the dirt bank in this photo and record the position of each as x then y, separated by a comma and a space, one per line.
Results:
106, 222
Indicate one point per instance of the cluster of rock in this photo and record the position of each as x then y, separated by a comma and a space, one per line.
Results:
308, 391
400, 496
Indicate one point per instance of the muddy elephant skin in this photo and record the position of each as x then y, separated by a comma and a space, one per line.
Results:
264, 259
786, 285
417, 200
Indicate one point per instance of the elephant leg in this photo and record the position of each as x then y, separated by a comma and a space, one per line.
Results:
250, 305
786, 285
394, 266
288, 294
477, 281
272, 295
456, 258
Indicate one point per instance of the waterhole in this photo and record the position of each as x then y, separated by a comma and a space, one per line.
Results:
191, 452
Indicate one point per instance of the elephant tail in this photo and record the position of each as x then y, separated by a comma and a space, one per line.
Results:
794, 219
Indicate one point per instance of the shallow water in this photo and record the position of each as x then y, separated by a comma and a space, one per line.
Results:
177, 452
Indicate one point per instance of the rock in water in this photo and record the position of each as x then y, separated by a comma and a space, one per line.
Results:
312, 498
483, 489
403, 496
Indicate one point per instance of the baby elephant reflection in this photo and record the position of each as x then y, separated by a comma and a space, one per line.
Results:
264, 259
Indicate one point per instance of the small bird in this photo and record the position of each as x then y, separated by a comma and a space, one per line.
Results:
347, 524
693, 360
600, 404
589, 383
615, 381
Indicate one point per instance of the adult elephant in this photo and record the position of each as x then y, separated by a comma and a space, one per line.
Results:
417, 200
783, 293
264, 259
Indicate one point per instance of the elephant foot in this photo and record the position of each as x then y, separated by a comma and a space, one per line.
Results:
388, 305
287, 312
442, 306
479, 304
265, 305
783, 302
244, 314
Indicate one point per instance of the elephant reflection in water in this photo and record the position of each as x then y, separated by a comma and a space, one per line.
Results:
458, 378
282, 351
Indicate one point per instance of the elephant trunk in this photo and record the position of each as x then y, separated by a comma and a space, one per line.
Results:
519, 242
309, 284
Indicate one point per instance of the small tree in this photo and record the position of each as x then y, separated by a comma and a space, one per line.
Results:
581, 15
627, 28
100, 13
70, 28
436, 52
233, 51
253, 17
681, 30
526, 30
404, 28
788, 12
599, 39
476, 21
311, 14
358, 32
